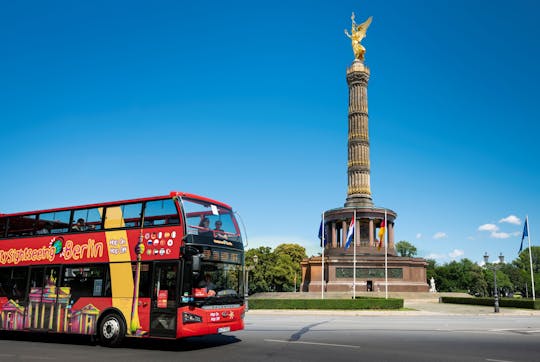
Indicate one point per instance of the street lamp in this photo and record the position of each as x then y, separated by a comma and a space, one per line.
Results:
246, 280
494, 267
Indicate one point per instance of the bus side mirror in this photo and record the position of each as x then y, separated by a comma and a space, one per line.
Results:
196, 263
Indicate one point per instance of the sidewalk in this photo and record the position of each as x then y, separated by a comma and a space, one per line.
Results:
418, 307
434, 307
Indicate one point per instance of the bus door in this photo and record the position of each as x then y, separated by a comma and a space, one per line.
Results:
164, 296
43, 313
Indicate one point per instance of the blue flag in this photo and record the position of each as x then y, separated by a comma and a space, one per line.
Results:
321, 235
525, 233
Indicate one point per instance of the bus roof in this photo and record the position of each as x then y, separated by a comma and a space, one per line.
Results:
171, 195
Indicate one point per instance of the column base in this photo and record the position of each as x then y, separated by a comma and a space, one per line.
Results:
359, 201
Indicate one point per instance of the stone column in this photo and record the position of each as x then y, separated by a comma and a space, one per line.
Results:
358, 171
334, 235
371, 232
391, 235
343, 233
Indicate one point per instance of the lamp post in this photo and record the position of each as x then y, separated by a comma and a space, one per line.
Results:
494, 268
246, 280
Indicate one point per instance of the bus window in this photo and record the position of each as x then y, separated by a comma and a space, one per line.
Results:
165, 284
145, 279
132, 214
3, 227
57, 222
21, 225
91, 219
85, 280
121, 216
161, 212
17, 288
5, 278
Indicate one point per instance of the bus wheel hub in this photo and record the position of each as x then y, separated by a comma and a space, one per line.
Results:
111, 328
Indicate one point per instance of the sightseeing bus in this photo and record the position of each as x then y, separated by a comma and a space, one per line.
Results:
168, 267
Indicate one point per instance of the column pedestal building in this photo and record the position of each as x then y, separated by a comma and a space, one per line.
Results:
404, 273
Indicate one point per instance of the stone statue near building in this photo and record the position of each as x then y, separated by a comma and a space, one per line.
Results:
432, 288
358, 32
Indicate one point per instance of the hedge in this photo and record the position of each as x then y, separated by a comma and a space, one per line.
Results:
345, 304
503, 302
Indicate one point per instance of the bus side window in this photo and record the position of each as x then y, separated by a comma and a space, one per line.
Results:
3, 227
21, 225
132, 214
91, 219
5, 278
55, 222
85, 280
145, 279
161, 212
17, 288
123, 216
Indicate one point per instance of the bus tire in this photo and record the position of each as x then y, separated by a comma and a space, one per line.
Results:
112, 330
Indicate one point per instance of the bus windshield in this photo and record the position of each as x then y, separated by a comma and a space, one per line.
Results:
219, 282
214, 221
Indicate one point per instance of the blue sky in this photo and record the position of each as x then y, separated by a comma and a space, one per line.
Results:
246, 102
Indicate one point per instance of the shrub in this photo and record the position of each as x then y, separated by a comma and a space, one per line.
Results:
503, 302
345, 304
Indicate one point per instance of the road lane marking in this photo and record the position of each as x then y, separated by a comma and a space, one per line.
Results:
41, 358
517, 330
312, 343
498, 360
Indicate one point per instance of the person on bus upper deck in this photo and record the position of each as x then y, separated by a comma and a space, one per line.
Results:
81, 226
218, 231
204, 226
205, 223
46, 229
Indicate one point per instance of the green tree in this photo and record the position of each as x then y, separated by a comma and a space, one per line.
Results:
523, 264
260, 277
404, 248
288, 270
516, 276
275, 271
462, 276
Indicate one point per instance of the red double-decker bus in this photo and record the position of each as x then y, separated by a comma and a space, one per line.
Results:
168, 266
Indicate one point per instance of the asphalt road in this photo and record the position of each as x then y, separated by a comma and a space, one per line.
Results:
296, 336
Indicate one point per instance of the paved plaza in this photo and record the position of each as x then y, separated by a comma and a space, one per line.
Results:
414, 303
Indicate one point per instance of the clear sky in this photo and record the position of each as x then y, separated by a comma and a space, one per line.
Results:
246, 102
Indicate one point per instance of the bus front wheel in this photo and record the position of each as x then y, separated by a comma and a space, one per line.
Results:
112, 330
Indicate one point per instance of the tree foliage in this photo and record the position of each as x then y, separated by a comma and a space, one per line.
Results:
276, 270
404, 248
466, 276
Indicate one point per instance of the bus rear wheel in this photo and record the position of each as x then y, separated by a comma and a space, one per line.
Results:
112, 330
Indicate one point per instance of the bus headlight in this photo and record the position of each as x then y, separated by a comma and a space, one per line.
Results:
191, 318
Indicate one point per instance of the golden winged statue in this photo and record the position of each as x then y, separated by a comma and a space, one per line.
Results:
358, 32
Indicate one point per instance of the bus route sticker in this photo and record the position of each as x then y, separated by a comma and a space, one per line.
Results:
162, 298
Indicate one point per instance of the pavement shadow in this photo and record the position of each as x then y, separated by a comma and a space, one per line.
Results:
185, 344
180, 345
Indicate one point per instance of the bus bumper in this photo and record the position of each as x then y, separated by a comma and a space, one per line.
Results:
198, 322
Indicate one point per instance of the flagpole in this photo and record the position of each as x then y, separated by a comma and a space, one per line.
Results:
354, 258
386, 255
322, 265
530, 255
